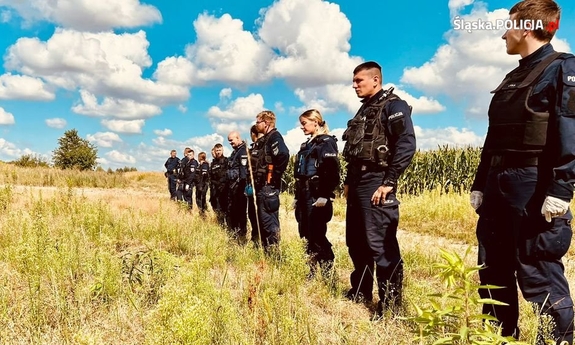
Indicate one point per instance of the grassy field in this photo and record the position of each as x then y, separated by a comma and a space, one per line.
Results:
96, 258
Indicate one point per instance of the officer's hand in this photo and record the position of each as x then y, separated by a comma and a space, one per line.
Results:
294, 203
345, 190
554, 207
476, 199
187, 187
380, 194
320, 202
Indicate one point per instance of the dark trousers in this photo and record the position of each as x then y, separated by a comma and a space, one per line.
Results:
371, 237
219, 202
253, 219
237, 211
172, 185
268, 202
184, 193
201, 192
517, 244
312, 225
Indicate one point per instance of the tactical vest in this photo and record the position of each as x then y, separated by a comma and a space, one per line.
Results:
187, 169
307, 159
365, 137
513, 126
260, 159
237, 164
218, 170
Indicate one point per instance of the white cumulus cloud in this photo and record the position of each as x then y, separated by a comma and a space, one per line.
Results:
118, 108
123, 126
24, 87
87, 15
163, 132
6, 118
104, 139
56, 122
119, 157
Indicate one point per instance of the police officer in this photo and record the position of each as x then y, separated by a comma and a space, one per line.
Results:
237, 179
171, 173
317, 175
524, 181
269, 161
380, 143
187, 169
218, 184
255, 136
201, 178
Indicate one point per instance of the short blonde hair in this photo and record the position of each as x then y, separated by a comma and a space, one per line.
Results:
315, 115
268, 116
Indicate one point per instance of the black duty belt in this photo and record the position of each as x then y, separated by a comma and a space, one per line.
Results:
513, 161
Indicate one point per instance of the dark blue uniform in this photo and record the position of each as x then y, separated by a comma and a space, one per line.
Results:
186, 175
515, 176
237, 179
269, 165
201, 181
219, 188
317, 175
371, 230
171, 166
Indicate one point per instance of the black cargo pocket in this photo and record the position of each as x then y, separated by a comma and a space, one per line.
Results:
271, 199
554, 243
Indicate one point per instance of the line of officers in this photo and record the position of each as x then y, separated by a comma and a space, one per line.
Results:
247, 184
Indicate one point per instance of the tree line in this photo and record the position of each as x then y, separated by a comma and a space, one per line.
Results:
73, 152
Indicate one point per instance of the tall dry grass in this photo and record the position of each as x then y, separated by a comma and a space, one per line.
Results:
124, 265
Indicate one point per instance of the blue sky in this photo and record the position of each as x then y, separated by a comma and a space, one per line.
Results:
141, 77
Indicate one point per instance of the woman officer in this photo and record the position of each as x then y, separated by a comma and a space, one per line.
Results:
317, 175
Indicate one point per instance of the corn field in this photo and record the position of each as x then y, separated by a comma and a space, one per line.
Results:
446, 168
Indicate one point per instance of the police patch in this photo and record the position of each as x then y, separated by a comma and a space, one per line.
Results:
244, 161
276, 150
330, 154
396, 115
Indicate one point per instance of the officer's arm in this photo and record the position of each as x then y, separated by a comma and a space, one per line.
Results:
401, 140
483, 168
280, 158
564, 171
328, 169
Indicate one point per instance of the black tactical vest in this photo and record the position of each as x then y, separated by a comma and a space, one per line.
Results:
513, 126
306, 160
365, 137
260, 159
218, 170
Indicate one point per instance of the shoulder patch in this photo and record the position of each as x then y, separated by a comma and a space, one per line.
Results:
397, 115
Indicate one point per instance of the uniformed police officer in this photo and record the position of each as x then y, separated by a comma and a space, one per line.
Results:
237, 179
269, 165
201, 180
218, 184
187, 169
255, 136
317, 175
171, 166
524, 182
380, 143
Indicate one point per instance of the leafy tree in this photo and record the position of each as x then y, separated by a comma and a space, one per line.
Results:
74, 152
31, 161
